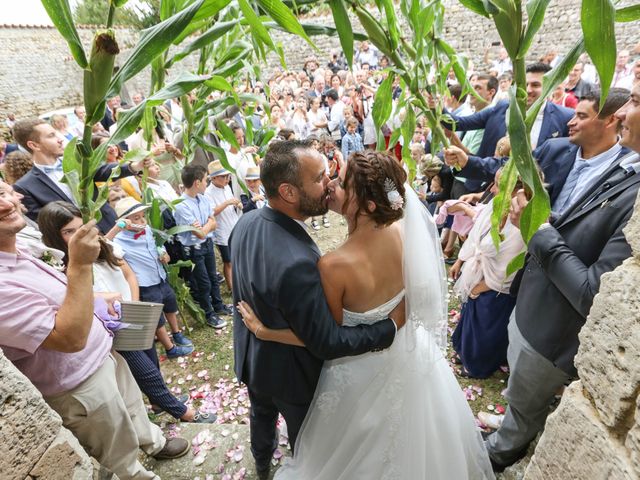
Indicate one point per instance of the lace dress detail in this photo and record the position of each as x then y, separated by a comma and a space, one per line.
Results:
374, 417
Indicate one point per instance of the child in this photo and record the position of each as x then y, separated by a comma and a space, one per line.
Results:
352, 141
196, 210
256, 197
225, 210
134, 236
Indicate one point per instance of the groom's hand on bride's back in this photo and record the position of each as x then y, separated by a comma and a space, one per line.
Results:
398, 315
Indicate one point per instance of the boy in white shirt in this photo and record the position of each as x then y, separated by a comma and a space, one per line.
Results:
226, 211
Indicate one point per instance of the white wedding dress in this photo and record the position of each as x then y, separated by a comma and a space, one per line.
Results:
399, 413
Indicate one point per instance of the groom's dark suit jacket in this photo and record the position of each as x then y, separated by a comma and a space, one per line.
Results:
566, 262
275, 270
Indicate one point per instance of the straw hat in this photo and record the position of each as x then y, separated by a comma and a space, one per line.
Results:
128, 206
253, 173
216, 169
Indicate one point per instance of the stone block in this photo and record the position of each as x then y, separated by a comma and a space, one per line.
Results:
632, 231
65, 459
608, 359
632, 442
577, 445
27, 424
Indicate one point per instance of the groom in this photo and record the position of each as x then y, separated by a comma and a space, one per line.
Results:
274, 270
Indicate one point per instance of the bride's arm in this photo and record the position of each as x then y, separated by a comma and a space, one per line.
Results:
255, 326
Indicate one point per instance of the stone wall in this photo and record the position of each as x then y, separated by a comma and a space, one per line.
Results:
470, 33
38, 74
595, 432
33, 442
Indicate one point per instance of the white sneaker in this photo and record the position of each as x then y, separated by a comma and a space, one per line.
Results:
490, 420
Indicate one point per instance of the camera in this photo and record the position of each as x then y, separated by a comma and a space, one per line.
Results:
331, 154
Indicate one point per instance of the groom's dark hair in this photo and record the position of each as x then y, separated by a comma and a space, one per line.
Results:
282, 165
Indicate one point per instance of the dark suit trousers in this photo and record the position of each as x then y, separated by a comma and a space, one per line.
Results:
532, 385
145, 369
263, 417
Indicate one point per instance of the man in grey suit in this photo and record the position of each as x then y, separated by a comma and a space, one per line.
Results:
565, 261
274, 270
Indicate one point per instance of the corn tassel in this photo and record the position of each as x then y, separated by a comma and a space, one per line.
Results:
98, 76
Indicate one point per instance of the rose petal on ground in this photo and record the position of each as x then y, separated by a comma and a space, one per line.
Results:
199, 460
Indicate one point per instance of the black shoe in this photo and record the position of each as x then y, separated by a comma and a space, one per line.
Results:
224, 310
216, 322
263, 472
500, 467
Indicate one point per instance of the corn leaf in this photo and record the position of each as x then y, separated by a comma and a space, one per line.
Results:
392, 23
211, 35
227, 134
258, 30
285, 18
315, 30
628, 14
408, 128
153, 42
60, 14
535, 11
553, 79
598, 26
538, 209
129, 121
476, 6
502, 201
343, 26
383, 105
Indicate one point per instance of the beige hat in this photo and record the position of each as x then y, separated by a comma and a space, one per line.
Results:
128, 206
253, 173
216, 169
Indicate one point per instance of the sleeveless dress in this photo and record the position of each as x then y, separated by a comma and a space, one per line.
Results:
388, 415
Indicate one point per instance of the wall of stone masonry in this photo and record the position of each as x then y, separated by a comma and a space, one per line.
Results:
38, 74
33, 442
595, 431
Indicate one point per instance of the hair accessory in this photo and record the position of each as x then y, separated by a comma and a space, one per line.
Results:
394, 197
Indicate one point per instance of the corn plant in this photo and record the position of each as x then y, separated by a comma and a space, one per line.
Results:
598, 19
420, 56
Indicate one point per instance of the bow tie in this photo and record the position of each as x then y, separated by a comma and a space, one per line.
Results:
139, 234
56, 167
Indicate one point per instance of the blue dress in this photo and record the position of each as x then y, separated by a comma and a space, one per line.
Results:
481, 337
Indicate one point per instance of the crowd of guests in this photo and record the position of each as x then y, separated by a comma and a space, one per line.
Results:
587, 160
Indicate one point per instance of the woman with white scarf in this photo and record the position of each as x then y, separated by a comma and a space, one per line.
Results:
481, 338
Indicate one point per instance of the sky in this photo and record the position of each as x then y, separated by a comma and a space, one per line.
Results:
27, 12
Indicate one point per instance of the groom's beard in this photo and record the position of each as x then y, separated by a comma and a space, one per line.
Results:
310, 207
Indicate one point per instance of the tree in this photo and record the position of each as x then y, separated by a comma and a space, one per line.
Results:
143, 14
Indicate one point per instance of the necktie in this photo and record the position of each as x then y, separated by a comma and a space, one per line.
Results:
563, 200
56, 167
139, 234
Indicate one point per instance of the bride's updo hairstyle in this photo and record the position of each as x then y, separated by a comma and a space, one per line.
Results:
370, 177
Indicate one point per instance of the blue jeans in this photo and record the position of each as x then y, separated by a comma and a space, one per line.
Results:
205, 287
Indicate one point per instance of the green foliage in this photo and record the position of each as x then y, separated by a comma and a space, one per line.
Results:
343, 26
597, 19
60, 14
138, 15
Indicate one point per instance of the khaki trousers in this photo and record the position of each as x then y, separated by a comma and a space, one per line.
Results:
107, 415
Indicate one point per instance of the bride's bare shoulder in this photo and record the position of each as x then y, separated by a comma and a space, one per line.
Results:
336, 259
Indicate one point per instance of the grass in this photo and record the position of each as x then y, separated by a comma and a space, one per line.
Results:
214, 353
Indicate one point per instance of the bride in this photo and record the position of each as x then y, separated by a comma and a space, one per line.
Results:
397, 413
